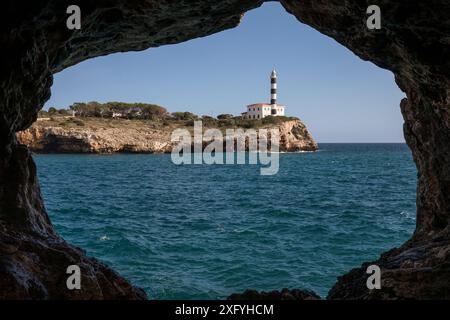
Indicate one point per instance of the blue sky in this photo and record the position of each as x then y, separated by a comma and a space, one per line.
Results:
340, 97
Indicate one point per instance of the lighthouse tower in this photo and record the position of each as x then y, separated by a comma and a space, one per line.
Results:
261, 110
273, 88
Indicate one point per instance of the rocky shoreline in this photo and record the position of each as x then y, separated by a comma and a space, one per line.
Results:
294, 136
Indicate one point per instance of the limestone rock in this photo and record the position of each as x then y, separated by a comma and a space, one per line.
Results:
294, 136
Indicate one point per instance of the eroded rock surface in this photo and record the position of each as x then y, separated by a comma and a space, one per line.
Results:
294, 136
414, 43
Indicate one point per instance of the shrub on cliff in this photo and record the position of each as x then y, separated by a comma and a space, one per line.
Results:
43, 114
184, 116
276, 119
209, 121
116, 109
247, 124
78, 122
226, 122
225, 116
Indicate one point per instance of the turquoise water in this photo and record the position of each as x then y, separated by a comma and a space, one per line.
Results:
204, 232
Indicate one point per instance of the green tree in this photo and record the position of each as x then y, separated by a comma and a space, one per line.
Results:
225, 116
184, 116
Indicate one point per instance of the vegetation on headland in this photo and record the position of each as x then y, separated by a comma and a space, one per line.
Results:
112, 114
109, 110
142, 128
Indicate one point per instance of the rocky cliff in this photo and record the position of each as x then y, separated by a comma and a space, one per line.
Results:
294, 136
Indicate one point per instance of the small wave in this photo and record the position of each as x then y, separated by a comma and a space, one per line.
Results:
104, 238
290, 152
243, 231
408, 215
282, 213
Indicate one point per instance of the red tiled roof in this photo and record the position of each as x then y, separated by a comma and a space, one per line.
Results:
258, 104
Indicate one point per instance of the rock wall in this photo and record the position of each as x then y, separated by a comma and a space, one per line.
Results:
414, 43
294, 136
111, 140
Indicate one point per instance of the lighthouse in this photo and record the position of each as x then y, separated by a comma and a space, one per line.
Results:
273, 88
257, 111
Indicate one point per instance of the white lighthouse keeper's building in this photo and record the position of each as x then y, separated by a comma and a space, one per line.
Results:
262, 110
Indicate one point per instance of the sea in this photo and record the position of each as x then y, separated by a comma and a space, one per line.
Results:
207, 231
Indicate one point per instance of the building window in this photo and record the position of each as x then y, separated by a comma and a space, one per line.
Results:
258, 116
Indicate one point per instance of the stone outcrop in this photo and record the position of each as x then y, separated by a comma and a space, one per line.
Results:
79, 140
294, 136
417, 270
414, 43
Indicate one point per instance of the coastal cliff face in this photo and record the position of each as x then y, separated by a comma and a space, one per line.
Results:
414, 43
294, 136
111, 140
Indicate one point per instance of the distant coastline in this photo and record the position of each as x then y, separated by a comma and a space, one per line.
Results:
141, 128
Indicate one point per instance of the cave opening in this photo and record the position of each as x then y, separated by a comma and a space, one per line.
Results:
412, 43
149, 221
